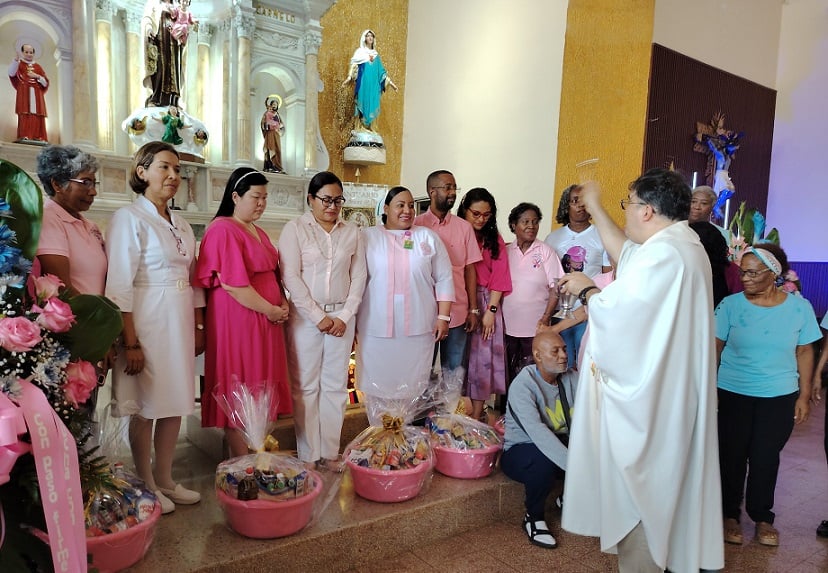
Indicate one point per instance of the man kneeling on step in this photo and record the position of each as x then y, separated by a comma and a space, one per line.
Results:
538, 415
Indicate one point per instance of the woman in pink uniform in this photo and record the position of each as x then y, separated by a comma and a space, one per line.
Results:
246, 309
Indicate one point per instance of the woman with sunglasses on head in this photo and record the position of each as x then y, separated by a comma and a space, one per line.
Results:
151, 253
407, 302
487, 356
764, 347
323, 265
246, 308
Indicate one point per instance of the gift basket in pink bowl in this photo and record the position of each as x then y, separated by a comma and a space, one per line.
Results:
121, 517
463, 447
389, 461
263, 495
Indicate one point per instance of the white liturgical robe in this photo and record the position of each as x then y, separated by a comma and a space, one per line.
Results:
644, 443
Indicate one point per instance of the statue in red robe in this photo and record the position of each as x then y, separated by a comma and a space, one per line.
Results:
31, 83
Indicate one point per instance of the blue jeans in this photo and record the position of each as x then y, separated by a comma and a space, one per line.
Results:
572, 337
453, 348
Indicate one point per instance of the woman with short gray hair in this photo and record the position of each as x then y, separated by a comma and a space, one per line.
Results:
71, 247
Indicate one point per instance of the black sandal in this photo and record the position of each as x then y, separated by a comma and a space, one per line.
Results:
534, 533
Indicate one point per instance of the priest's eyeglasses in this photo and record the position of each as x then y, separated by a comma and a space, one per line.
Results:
328, 201
88, 183
448, 187
752, 273
625, 202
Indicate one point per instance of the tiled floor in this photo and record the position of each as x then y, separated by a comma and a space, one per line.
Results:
801, 503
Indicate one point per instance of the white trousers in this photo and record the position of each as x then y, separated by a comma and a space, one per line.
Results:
318, 369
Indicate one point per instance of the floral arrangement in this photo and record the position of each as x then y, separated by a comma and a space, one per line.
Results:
50, 342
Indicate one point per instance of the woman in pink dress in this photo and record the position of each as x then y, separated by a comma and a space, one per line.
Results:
246, 309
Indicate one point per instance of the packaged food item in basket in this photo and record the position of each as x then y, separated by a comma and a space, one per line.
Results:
392, 446
119, 501
265, 476
460, 432
450, 427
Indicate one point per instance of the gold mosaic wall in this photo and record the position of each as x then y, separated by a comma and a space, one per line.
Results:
342, 27
604, 94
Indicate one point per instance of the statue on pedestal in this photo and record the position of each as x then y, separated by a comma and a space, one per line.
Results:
166, 26
370, 81
30, 81
162, 54
272, 129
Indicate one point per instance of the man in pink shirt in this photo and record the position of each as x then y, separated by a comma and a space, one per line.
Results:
458, 237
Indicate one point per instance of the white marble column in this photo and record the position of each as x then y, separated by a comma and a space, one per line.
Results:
202, 82
63, 61
226, 105
316, 154
135, 67
245, 25
103, 67
84, 121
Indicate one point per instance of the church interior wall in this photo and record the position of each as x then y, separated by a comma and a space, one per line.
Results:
483, 91
486, 89
604, 97
737, 36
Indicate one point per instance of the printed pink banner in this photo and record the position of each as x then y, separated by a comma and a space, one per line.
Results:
58, 475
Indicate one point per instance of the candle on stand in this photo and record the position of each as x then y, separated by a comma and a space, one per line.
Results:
695, 174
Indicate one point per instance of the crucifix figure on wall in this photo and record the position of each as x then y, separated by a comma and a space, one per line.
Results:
720, 145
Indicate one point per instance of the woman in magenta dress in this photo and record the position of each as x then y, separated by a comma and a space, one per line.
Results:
487, 356
246, 310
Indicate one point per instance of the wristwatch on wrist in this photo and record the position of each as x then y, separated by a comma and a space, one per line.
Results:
199, 326
445, 317
474, 311
493, 309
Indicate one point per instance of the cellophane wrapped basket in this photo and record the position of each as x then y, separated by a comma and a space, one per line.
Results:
390, 461
263, 495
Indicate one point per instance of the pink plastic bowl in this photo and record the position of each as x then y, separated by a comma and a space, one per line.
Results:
465, 464
263, 519
117, 551
388, 486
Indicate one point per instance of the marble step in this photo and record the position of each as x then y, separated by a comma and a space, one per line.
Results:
350, 532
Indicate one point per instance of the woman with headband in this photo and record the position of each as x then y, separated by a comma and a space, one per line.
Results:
406, 304
246, 307
151, 255
763, 344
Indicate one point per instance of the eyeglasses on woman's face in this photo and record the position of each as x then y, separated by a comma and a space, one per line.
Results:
752, 273
480, 215
88, 183
328, 201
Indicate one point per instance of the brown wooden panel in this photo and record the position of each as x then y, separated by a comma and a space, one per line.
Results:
684, 91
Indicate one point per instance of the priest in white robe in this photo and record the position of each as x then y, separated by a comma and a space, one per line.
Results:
643, 469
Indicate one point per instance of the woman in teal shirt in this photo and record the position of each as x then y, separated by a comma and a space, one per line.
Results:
764, 346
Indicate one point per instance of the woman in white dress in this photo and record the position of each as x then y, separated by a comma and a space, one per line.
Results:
151, 253
406, 303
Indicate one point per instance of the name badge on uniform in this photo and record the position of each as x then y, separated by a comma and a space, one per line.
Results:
408, 242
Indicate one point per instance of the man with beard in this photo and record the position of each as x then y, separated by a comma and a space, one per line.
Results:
458, 237
538, 416
577, 231
643, 463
